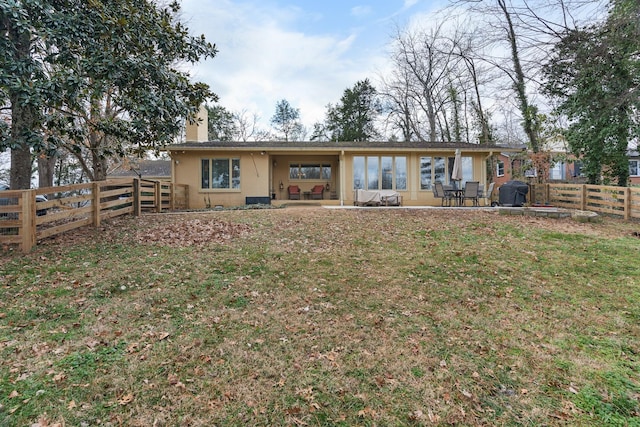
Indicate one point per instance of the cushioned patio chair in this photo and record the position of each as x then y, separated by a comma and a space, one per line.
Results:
317, 192
294, 192
470, 192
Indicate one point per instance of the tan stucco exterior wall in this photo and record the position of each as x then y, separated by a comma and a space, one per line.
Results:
254, 178
261, 175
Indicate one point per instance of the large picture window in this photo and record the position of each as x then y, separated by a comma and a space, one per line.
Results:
380, 173
438, 169
220, 173
311, 171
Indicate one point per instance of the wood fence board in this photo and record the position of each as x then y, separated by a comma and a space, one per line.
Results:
118, 212
66, 214
66, 201
63, 228
116, 192
114, 203
10, 223
5, 209
12, 239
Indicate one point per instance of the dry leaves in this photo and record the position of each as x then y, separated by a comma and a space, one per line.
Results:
192, 232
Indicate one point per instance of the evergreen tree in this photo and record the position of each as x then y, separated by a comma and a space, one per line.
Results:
95, 77
595, 74
286, 120
353, 118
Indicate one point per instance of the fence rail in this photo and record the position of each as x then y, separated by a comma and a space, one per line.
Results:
610, 200
25, 218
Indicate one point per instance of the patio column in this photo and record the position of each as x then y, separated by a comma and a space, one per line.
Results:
341, 178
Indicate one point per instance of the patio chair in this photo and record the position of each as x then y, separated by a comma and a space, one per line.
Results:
486, 197
440, 193
317, 192
470, 192
294, 192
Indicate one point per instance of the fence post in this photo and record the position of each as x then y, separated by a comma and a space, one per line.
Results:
172, 196
137, 208
533, 188
28, 216
583, 198
96, 203
158, 190
547, 194
627, 203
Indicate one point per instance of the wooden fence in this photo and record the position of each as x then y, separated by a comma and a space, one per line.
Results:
609, 200
24, 219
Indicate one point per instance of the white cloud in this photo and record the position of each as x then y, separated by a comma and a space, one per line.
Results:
262, 58
360, 11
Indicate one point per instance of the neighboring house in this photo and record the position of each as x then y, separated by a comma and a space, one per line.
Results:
634, 166
235, 173
565, 167
504, 165
145, 169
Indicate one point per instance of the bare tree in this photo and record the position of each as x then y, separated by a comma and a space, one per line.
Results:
517, 38
419, 90
246, 124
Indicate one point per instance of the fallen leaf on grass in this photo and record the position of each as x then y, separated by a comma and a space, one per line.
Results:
126, 399
416, 415
434, 418
13, 394
367, 412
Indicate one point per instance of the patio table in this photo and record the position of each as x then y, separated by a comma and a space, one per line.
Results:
454, 194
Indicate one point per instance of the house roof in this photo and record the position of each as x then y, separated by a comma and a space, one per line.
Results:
333, 146
143, 168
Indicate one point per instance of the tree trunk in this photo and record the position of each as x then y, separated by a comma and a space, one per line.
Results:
528, 111
24, 118
46, 168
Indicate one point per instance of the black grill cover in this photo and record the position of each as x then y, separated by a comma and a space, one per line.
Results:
513, 193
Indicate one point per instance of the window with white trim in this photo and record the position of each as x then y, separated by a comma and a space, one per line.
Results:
499, 168
634, 167
557, 171
439, 169
220, 173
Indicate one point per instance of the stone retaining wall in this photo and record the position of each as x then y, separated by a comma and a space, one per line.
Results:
580, 216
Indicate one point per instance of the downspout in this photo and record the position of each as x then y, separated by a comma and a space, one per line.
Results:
484, 169
342, 178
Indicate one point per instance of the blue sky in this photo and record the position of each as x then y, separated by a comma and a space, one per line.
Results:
307, 52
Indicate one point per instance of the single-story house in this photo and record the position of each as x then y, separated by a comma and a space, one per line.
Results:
236, 173
143, 168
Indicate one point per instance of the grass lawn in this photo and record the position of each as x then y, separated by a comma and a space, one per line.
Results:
319, 317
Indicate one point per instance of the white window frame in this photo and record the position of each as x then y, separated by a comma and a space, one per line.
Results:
233, 171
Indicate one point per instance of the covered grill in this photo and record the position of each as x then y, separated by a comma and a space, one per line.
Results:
513, 193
